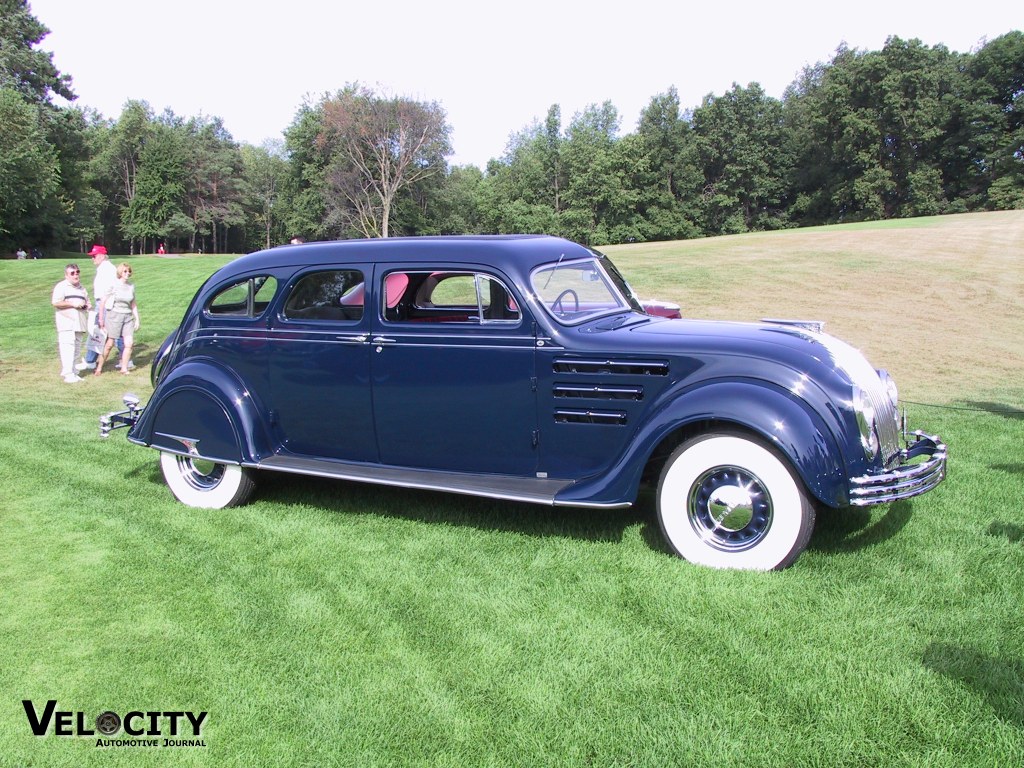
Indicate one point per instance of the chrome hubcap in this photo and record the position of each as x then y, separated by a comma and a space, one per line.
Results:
201, 474
730, 508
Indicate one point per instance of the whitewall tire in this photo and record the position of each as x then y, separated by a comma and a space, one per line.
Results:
726, 500
206, 484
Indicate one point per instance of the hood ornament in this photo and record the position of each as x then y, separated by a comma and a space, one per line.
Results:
815, 326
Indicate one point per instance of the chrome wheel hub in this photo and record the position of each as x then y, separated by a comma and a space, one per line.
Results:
201, 474
729, 508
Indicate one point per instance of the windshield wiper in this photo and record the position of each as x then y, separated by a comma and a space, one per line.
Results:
551, 272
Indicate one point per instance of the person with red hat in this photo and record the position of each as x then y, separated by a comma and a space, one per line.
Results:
106, 277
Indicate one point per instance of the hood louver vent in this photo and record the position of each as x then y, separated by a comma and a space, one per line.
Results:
567, 416
599, 392
620, 367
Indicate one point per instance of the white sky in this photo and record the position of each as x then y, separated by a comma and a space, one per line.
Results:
494, 68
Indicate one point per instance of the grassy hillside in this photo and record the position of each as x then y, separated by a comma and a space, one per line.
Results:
938, 301
331, 623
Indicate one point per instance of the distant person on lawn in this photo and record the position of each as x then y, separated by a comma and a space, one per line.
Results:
70, 299
119, 315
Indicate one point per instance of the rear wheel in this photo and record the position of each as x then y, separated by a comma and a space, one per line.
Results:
206, 484
728, 501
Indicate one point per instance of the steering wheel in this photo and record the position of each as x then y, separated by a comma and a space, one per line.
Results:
558, 306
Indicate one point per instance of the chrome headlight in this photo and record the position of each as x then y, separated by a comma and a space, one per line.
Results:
865, 413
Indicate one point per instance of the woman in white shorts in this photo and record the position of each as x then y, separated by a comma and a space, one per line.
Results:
119, 317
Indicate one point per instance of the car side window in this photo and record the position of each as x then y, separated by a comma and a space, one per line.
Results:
335, 294
246, 298
448, 297
264, 290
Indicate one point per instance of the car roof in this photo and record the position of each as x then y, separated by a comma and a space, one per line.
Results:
514, 253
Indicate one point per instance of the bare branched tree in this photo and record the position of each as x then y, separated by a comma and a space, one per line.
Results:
381, 145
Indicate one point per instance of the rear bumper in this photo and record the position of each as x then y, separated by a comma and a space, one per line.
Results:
907, 480
119, 419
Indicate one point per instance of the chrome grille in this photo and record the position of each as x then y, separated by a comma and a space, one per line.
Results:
887, 424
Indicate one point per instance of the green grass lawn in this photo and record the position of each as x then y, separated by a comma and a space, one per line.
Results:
331, 623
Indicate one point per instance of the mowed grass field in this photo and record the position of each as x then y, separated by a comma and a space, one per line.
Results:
331, 623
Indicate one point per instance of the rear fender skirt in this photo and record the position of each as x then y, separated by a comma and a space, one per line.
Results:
201, 409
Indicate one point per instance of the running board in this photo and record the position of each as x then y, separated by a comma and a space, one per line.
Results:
507, 487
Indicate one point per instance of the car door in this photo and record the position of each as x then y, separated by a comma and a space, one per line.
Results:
319, 366
452, 365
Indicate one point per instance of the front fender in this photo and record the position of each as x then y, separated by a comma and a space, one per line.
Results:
782, 419
201, 408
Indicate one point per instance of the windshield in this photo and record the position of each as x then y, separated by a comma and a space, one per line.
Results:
580, 290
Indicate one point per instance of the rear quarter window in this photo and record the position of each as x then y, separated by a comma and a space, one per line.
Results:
246, 298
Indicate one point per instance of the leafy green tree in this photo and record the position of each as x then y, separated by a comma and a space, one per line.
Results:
455, 209
666, 175
973, 130
805, 124
23, 68
121, 158
915, 84
550, 145
265, 171
32, 206
214, 189
305, 186
74, 214
741, 150
522, 190
870, 129
28, 167
104, 181
996, 90
598, 202
906, 130
159, 185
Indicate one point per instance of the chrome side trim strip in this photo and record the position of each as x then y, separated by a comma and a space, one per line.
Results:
504, 487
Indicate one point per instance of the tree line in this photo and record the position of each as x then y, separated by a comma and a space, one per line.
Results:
908, 130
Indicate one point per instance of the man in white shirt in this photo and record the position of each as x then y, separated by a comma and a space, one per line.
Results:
71, 302
106, 277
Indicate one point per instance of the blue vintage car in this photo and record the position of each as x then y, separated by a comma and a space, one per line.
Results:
522, 368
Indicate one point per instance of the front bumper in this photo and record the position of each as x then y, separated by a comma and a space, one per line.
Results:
907, 480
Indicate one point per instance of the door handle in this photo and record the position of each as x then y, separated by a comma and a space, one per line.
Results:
360, 339
383, 340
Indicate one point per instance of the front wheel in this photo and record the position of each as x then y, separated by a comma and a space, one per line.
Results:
206, 484
728, 501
